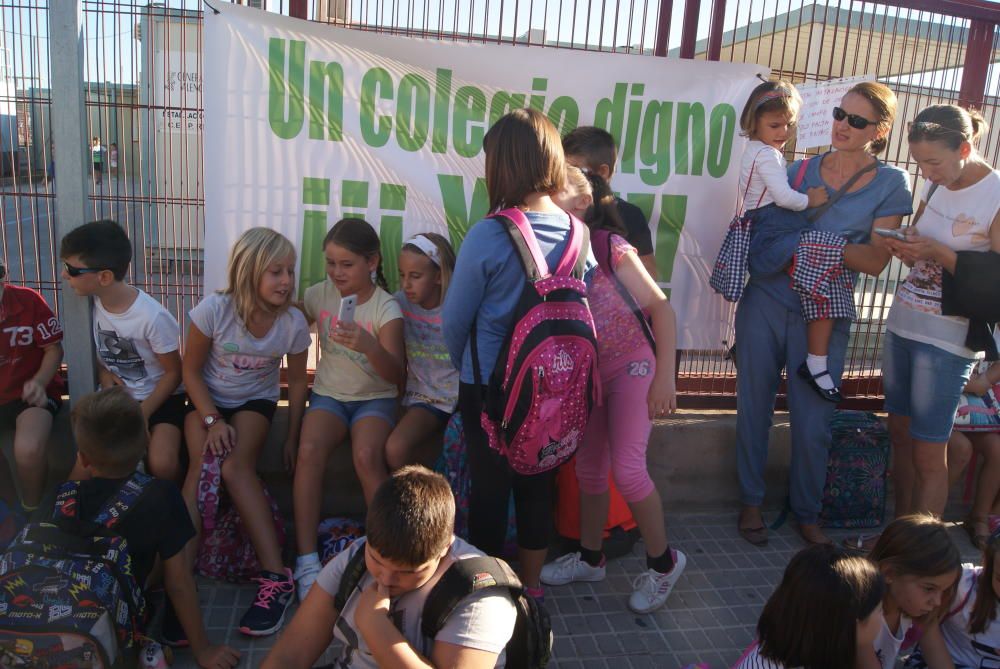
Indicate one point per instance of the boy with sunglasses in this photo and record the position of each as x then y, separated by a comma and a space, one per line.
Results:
30, 387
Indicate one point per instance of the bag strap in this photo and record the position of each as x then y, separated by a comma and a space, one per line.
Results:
525, 244
800, 175
601, 244
463, 578
574, 254
119, 504
746, 191
351, 578
823, 208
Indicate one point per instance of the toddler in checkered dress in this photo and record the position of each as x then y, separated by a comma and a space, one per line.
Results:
776, 209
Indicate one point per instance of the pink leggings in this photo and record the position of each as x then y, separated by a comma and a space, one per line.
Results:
618, 431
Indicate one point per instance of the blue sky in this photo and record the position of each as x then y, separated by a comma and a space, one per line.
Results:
111, 40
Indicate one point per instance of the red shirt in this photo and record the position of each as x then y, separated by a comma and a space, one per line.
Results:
26, 326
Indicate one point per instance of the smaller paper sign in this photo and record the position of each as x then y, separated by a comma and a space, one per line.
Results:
816, 116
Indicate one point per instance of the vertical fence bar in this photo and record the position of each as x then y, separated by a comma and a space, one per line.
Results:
663, 28
715, 29
689, 29
978, 53
68, 134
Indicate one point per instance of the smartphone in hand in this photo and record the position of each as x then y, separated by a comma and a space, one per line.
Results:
346, 312
895, 233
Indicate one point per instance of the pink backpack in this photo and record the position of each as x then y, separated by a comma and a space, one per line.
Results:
539, 396
225, 552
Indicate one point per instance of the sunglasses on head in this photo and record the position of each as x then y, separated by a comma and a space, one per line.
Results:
77, 271
853, 120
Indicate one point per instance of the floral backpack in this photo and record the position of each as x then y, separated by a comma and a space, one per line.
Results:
226, 552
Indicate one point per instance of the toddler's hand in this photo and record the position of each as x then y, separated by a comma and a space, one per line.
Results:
977, 385
817, 196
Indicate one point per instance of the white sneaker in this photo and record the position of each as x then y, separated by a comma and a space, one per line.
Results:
570, 568
305, 575
652, 588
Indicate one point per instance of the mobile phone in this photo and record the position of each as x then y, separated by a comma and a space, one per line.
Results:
346, 312
894, 233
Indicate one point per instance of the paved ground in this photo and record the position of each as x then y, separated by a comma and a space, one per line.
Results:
709, 618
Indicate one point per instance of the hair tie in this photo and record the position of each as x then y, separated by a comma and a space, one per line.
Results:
776, 94
426, 246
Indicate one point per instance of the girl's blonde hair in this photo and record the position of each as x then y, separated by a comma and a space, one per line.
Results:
770, 96
251, 255
445, 261
916, 545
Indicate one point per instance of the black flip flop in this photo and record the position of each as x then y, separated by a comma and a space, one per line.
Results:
754, 535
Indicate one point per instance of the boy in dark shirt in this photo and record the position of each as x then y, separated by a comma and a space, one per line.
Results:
593, 149
111, 436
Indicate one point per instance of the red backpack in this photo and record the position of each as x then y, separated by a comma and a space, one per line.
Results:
539, 396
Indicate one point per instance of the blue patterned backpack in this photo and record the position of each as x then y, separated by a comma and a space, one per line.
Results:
68, 596
854, 495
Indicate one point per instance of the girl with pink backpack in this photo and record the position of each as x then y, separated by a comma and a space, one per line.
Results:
637, 384
520, 426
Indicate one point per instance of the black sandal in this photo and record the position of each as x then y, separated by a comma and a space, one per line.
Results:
832, 395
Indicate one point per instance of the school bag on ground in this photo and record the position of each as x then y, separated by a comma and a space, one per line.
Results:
68, 597
530, 646
545, 381
854, 495
453, 464
225, 552
619, 537
334, 535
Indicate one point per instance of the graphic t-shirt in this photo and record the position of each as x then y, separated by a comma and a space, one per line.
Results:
343, 374
961, 221
430, 376
241, 367
128, 343
482, 621
618, 331
966, 649
27, 325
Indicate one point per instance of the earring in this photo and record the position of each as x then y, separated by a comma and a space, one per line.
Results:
374, 276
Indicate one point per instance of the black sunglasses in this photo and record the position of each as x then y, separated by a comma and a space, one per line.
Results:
853, 120
77, 271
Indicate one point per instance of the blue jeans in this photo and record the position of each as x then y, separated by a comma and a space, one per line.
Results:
923, 382
771, 336
351, 412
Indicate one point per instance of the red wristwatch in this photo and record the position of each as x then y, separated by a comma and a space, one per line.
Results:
211, 419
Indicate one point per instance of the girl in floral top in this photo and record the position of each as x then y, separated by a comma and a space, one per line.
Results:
637, 381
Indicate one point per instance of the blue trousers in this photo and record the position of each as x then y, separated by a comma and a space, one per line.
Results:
771, 336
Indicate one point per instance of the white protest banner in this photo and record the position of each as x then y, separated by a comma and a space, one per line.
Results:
815, 121
306, 123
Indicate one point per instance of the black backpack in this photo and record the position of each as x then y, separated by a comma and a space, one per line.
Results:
529, 647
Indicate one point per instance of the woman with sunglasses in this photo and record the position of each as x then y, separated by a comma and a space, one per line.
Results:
933, 340
770, 329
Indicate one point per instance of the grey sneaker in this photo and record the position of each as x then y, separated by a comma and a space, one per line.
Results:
570, 568
652, 588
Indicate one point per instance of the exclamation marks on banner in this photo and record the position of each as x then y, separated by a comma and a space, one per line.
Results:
312, 263
387, 219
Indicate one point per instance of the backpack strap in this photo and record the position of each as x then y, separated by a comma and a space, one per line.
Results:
576, 246
800, 175
601, 245
525, 244
119, 504
349, 581
463, 578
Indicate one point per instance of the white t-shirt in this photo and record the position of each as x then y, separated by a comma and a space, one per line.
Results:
128, 343
241, 367
343, 374
483, 621
752, 660
966, 649
961, 221
764, 179
887, 644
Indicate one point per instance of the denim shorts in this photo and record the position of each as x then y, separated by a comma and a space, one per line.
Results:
352, 412
923, 382
442, 415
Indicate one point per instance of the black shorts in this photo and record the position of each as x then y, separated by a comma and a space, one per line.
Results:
171, 412
265, 408
11, 410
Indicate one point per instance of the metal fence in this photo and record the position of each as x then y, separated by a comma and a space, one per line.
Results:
143, 99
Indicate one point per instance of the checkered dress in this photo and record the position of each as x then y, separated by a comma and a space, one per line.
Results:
825, 287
